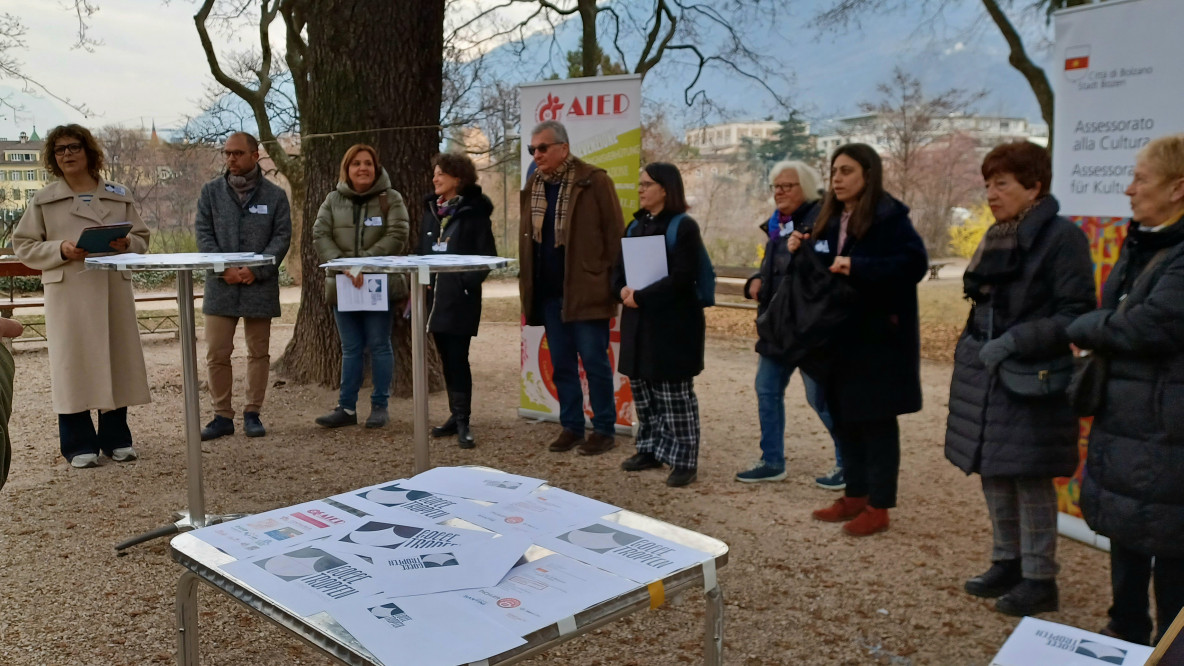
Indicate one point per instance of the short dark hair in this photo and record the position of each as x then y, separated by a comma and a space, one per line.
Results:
864, 213
668, 176
94, 153
458, 166
1031, 165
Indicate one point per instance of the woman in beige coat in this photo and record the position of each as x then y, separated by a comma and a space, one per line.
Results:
95, 358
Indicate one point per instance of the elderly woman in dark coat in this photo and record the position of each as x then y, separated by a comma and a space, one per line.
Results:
662, 333
456, 221
1031, 275
1134, 472
865, 234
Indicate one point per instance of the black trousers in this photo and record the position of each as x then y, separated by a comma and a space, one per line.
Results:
871, 459
77, 435
1130, 573
458, 376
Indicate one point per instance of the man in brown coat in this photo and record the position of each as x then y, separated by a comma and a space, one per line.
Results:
570, 240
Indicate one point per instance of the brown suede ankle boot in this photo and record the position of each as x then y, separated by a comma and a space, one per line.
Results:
844, 509
869, 522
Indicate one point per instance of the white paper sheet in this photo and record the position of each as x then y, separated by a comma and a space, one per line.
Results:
645, 260
405, 538
307, 579
545, 591
542, 513
425, 631
624, 551
395, 498
1037, 642
410, 573
371, 297
478, 484
280, 529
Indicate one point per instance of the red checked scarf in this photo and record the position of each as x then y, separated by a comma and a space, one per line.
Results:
538, 201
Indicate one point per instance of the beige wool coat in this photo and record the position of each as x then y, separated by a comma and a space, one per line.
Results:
95, 357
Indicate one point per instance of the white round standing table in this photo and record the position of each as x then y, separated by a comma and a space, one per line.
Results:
184, 264
420, 267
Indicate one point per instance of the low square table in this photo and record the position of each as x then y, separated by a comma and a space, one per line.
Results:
205, 563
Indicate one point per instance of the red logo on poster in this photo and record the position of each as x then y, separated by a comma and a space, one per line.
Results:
587, 106
514, 520
508, 602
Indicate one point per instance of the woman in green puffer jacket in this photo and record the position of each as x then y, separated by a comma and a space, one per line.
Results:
363, 217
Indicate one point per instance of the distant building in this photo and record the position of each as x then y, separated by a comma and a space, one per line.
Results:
21, 173
727, 138
986, 131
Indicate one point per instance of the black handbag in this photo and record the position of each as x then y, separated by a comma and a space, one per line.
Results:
1047, 378
1087, 388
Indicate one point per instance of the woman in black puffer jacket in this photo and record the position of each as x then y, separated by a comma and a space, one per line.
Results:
1133, 490
456, 221
1031, 275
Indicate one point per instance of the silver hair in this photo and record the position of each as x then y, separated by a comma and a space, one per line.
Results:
555, 126
808, 176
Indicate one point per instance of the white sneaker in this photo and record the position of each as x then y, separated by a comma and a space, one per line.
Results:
84, 460
124, 454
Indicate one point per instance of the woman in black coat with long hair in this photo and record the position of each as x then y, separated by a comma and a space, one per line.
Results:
874, 370
456, 221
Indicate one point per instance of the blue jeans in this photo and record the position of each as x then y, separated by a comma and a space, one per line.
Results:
571, 343
771, 379
360, 331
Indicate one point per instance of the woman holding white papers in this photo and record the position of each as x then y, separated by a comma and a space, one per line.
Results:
456, 221
95, 358
363, 217
662, 329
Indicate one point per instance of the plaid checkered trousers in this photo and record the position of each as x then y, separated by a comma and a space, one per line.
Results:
668, 421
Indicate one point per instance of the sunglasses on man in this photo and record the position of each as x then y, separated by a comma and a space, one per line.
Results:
542, 148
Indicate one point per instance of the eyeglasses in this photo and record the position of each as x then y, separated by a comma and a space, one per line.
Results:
787, 187
72, 148
233, 153
645, 185
543, 147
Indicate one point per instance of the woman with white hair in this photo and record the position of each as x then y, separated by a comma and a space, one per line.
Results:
796, 190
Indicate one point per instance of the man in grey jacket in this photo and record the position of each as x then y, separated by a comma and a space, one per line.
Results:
241, 211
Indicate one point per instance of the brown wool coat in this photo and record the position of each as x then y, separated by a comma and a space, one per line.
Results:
95, 357
594, 228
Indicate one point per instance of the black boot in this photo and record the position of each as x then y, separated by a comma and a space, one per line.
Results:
1029, 598
996, 581
464, 437
447, 429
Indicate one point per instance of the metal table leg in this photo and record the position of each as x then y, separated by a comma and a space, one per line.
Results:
713, 637
419, 369
187, 654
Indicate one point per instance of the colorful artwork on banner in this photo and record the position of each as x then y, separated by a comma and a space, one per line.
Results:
1105, 241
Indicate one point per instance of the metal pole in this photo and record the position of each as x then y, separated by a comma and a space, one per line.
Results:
419, 369
713, 638
197, 502
186, 610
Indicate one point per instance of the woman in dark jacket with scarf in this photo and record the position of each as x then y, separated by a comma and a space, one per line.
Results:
875, 357
662, 333
1031, 275
795, 188
456, 221
362, 217
1134, 472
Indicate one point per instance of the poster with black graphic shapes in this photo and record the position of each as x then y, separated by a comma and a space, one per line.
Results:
425, 631
396, 497
1042, 642
388, 537
306, 580
624, 551
1117, 73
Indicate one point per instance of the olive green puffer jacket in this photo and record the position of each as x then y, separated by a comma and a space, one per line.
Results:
351, 224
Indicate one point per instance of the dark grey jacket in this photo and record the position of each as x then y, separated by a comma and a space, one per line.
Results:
1133, 490
263, 224
988, 430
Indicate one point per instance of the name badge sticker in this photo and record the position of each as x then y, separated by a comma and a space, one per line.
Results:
442, 246
822, 246
372, 221
786, 230
117, 189
259, 209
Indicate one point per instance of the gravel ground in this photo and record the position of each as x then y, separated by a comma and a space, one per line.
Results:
796, 591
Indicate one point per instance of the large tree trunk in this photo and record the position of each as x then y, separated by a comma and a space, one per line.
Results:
374, 68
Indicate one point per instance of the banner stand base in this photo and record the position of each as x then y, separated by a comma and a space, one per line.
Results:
627, 431
1075, 528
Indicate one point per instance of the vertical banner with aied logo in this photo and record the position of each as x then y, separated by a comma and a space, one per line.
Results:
603, 120
1117, 73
